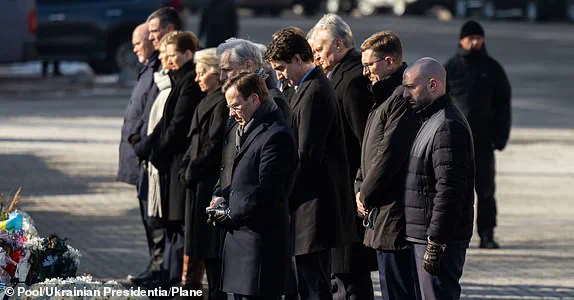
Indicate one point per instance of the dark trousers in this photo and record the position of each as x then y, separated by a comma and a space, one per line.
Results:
213, 272
445, 286
396, 274
314, 275
484, 184
353, 286
153, 227
173, 253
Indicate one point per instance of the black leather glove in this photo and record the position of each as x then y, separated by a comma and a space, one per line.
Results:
134, 139
431, 259
219, 216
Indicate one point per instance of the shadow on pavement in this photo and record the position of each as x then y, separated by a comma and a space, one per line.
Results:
36, 177
112, 246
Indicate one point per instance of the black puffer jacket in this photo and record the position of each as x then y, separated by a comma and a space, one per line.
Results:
439, 195
479, 87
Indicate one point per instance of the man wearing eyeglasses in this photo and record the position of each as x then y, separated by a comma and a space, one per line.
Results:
379, 184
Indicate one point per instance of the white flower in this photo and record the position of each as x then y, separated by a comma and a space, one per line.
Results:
35, 243
74, 254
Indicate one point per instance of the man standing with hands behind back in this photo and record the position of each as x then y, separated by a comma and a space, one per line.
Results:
479, 87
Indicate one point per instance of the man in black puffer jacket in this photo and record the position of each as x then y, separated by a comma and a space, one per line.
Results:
479, 87
439, 193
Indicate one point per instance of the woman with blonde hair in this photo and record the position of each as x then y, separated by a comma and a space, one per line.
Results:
169, 143
199, 172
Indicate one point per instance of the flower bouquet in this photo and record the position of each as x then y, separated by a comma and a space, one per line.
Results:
26, 257
51, 258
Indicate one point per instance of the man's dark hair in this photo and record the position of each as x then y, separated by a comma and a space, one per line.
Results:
286, 44
294, 29
166, 16
248, 84
183, 41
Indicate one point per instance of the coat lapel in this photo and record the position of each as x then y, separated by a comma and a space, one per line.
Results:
346, 64
301, 90
257, 131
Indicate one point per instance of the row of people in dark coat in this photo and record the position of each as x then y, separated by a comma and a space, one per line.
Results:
349, 115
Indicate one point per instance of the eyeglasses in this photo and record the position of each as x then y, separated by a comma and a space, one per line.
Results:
371, 64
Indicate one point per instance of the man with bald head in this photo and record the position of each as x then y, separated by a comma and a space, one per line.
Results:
133, 129
439, 193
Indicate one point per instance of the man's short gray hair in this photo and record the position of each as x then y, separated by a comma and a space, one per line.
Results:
336, 27
241, 51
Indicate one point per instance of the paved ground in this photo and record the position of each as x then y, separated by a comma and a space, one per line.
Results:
59, 140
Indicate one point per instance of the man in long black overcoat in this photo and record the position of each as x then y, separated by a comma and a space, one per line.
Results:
257, 249
322, 212
334, 50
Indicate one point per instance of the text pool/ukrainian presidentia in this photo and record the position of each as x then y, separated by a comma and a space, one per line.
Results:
54, 291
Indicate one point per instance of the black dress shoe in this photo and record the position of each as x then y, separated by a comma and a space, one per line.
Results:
488, 244
487, 240
152, 279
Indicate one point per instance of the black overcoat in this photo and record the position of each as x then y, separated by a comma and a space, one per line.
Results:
355, 100
200, 171
171, 141
321, 203
229, 150
257, 252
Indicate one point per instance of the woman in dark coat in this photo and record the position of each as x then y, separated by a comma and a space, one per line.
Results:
170, 143
199, 173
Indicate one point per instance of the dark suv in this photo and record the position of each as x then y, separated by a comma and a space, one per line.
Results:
95, 31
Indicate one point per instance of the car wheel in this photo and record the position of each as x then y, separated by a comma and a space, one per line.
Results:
570, 10
461, 8
532, 11
366, 8
489, 10
400, 8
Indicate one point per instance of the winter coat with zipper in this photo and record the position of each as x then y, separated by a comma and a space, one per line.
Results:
439, 194
389, 134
